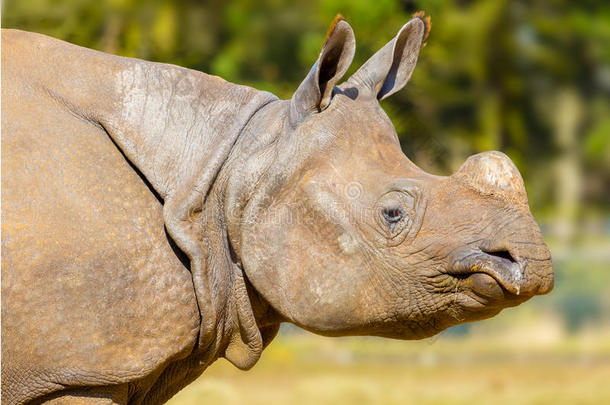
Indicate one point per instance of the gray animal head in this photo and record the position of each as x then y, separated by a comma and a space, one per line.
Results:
343, 234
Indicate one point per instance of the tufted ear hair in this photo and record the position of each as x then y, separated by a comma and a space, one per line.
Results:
315, 92
388, 70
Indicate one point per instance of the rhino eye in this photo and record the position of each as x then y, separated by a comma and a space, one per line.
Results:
392, 217
399, 212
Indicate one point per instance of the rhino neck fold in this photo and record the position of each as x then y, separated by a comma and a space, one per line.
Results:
178, 127
249, 321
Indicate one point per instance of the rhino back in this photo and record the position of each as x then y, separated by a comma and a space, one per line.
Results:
92, 291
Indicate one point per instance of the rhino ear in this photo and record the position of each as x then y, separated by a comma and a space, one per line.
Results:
391, 67
315, 92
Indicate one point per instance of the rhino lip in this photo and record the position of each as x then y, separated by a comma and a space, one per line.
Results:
500, 266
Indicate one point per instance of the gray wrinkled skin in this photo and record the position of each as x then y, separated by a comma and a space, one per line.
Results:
155, 218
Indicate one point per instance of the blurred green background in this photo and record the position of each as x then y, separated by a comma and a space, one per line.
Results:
530, 78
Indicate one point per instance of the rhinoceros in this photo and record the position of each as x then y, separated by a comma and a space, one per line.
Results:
156, 218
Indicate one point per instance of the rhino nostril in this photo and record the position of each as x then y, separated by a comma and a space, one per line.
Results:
504, 254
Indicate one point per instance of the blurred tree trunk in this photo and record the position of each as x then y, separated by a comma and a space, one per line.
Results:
567, 120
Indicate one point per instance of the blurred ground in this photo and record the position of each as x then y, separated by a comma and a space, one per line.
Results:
519, 368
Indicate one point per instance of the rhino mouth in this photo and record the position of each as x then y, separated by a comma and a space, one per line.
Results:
484, 272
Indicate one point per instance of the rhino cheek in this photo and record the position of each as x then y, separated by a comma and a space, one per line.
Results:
312, 274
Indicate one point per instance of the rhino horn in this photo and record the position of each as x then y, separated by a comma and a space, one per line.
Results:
493, 173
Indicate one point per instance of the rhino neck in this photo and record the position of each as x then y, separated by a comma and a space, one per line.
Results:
252, 161
179, 128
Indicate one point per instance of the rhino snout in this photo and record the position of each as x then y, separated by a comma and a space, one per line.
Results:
536, 265
491, 273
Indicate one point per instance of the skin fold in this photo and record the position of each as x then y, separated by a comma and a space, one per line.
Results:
155, 218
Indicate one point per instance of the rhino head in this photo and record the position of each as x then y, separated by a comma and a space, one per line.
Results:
338, 232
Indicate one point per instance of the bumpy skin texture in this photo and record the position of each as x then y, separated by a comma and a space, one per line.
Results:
93, 291
156, 218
